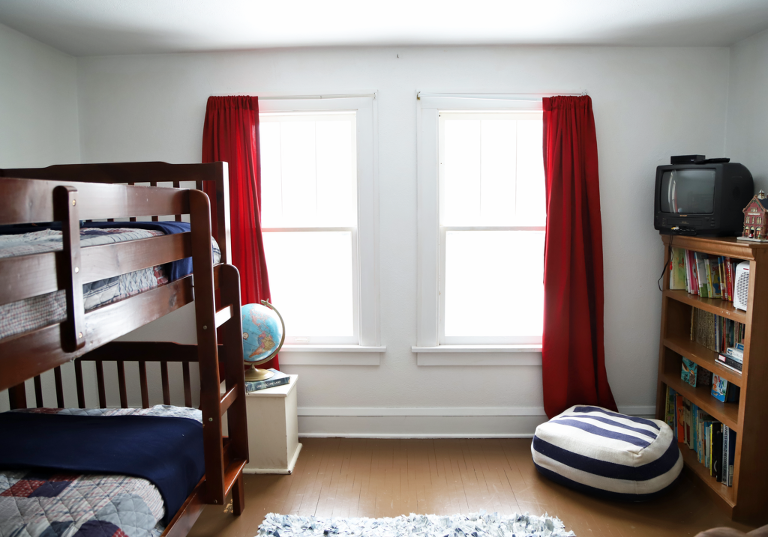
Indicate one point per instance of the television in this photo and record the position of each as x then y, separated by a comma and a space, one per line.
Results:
702, 199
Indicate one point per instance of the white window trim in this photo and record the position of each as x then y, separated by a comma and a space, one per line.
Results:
367, 244
427, 348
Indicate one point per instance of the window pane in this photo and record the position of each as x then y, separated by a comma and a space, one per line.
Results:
271, 197
531, 201
336, 192
494, 283
460, 180
310, 278
297, 161
498, 169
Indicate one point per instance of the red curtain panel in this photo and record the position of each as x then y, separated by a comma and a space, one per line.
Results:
231, 134
573, 353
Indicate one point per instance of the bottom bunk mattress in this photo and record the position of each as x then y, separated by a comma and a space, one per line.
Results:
54, 500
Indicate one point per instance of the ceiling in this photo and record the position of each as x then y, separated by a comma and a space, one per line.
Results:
107, 27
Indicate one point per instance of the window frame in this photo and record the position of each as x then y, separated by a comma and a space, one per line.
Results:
431, 342
366, 237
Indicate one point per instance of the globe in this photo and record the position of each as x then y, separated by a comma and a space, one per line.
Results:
263, 335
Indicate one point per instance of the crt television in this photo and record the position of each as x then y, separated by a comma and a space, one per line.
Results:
702, 199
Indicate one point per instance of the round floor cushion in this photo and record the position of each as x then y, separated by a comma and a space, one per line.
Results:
608, 454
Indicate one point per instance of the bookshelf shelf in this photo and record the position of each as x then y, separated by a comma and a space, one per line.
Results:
702, 356
747, 499
712, 305
693, 464
727, 413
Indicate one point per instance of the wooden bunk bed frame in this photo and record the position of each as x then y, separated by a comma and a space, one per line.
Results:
70, 193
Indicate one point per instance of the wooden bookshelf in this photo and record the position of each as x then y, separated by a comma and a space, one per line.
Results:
747, 499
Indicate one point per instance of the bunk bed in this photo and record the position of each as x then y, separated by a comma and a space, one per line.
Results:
69, 194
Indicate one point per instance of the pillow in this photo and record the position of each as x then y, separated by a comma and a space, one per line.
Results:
604, 453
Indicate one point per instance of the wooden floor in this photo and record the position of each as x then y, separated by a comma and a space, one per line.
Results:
342, 477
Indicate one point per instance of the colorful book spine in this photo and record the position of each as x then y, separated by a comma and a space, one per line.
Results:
731, 443
701, 270
680, 417
719, 388
723, 476
714, 277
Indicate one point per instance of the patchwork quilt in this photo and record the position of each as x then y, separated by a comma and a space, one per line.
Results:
39, 311
36, 503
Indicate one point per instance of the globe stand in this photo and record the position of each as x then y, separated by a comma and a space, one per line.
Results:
253, 374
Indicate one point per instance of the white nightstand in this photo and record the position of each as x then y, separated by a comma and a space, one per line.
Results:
273, 429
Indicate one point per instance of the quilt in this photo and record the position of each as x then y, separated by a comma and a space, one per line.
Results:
39, 311
35, 503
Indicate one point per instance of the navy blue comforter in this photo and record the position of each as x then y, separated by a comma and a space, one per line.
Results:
166, 451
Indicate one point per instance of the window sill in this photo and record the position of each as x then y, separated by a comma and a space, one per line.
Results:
331, 354
478, 355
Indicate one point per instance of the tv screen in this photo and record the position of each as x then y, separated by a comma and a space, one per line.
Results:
688, 191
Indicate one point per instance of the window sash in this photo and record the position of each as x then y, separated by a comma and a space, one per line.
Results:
442, 339
354, 339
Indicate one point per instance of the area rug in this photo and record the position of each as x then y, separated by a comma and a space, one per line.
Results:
473, 525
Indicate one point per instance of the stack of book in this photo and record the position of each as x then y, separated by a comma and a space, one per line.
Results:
701, 274
733, 357
713, 442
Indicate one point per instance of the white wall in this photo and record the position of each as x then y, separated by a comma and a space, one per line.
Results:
649, 103
38, 117
38, 103
747, 127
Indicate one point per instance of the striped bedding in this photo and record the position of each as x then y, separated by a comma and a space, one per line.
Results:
39, 311
37, 503
605, 453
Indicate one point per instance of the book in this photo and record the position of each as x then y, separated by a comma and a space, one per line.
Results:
719, 388
714, 278
701, 269
736, 352
729, 440
677, 273
670, 411
680, 419
687, 417
688, 372
278, 379
717, 450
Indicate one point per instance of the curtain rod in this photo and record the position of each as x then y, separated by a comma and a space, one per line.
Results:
329, 96
521, 97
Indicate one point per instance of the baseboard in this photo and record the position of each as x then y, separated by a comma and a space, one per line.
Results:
435, 422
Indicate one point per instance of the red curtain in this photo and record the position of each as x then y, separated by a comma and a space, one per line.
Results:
231, 134
573, 354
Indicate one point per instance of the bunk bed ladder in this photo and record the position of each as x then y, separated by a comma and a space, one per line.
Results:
224, 458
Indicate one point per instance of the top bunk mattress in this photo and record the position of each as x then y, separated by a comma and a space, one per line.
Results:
43, 310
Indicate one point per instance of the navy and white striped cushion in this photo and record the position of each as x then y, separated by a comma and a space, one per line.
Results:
601, 452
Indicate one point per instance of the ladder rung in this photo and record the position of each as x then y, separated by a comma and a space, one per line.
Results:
223, 315
228, 399
233, 471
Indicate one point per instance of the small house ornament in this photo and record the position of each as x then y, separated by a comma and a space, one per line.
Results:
756, 219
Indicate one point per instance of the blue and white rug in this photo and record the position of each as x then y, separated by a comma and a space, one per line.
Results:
473, 525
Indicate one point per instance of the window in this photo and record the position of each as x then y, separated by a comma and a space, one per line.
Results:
492, 218
481, 229
318, 218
